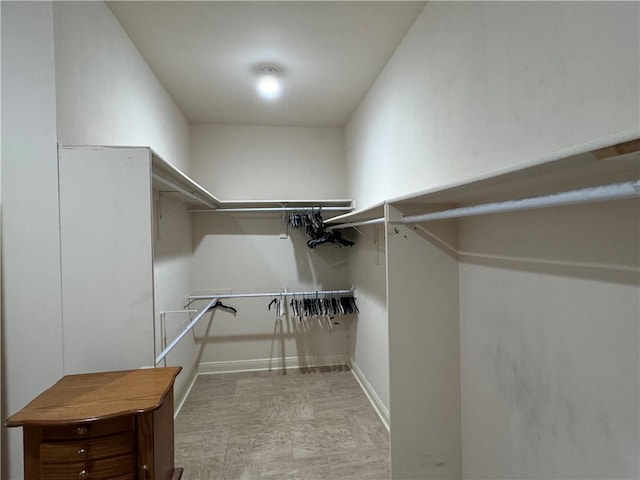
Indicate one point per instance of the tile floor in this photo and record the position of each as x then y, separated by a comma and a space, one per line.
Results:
303, 424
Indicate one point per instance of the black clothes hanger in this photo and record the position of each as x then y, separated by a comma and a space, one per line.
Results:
275, 300
334, 236
313, 223
219, 304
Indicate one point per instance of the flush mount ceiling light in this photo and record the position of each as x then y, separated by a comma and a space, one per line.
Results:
268, 85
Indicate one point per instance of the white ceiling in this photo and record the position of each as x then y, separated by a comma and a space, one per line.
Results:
207, 55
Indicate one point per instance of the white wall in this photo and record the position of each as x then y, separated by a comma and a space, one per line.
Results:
481, 86
245, 162
107, 94
32, 323
245, 253
550, 309
367, 272
424, 352
95, 88
172, 277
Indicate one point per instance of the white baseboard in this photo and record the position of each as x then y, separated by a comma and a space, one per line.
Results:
272, 364
378, 406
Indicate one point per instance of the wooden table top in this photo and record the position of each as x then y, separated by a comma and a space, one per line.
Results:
97, 396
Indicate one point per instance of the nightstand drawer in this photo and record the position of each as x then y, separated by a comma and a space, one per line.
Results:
108, 468
88, 429
88, 449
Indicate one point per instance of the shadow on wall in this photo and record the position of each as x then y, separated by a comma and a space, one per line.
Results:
312, 265
286, 328
237, 224
310, 260
248, 253
563, 242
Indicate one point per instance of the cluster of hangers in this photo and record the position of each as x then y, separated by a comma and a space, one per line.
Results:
311, 221
316, 306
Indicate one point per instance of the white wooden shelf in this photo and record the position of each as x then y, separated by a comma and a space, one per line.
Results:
167, 176
571, 173
258, 206
566, 170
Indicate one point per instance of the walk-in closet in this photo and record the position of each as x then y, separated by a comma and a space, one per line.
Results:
380, 240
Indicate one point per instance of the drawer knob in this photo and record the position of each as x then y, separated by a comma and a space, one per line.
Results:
82, 430
83, 474
82, 452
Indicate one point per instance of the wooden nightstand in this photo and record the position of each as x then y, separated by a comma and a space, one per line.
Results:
101, 426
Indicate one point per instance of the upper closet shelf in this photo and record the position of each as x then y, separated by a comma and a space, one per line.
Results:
169, 177
592, 166
252, 206
592, 173
606, 169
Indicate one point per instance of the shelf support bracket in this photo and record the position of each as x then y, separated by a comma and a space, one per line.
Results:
163, 215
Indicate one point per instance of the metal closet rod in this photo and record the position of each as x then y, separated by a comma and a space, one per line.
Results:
270, 209
274, 294
615, 191
357, 224
214, 298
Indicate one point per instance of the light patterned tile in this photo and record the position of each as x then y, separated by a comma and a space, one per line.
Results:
289, 407
240, 472
336, 405
307, 469
207, 390
231, 411
206, 446
259, 443
299, 406
187, 421
207, 471
273, 410
369, 431
370, 465
317, 437
314, 424
256, 387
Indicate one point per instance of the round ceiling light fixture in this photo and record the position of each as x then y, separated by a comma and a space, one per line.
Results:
269, 85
